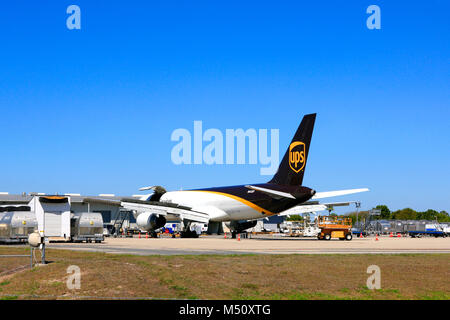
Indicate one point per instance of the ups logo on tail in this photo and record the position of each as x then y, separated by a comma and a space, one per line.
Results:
297, 157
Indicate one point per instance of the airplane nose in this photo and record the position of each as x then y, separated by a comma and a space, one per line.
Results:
313, 192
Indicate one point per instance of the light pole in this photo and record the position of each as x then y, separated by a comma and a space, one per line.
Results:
358, 205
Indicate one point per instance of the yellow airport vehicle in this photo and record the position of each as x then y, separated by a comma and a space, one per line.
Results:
334, 227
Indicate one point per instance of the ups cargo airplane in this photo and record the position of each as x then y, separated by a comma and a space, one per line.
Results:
239, 206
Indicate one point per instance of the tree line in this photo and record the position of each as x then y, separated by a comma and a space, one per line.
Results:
403, 214
387, 214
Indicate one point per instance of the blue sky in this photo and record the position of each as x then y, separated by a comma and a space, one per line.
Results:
92, 110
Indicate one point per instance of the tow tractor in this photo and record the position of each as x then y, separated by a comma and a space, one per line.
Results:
335, 227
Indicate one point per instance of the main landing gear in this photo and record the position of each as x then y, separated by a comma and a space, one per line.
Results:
153, 234
188, 234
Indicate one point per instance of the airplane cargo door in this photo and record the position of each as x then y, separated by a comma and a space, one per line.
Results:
52, 224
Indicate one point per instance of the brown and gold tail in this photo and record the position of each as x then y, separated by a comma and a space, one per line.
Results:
292, 167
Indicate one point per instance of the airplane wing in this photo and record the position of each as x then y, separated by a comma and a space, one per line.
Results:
329, 194
171, 211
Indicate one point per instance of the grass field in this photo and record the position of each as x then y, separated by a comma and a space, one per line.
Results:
225, 277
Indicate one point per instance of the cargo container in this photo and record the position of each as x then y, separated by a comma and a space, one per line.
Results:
86, 226
16, 226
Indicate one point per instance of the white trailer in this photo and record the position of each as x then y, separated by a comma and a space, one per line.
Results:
52, 215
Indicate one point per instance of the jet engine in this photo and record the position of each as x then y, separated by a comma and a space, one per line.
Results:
150, 221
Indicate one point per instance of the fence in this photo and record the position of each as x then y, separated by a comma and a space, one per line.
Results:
20, 255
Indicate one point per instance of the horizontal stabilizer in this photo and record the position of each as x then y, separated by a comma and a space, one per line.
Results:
307, 208
329, 194
304, 209
273, 193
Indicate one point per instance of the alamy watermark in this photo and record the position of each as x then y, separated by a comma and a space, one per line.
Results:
374, 20
374, 280
235, 146
74, 279
74, 20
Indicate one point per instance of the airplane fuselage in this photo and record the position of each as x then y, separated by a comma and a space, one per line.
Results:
238, 202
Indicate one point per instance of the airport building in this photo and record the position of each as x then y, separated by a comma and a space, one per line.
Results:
109, 212
60, 218
113, 216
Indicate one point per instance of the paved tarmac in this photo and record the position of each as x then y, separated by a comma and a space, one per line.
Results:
261, 245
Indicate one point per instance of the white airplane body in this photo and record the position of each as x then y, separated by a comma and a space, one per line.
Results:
240, 205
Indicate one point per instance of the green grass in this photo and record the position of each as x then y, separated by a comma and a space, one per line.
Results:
241, 277
436, 295
9, 297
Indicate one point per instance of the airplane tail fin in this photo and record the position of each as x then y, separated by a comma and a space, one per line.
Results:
292, 167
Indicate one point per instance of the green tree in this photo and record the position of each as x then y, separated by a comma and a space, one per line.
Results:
427, 215
404, 214
443, 216
295, 217
385, 212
